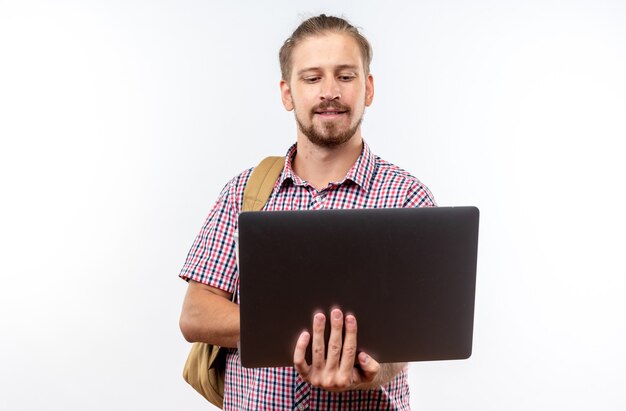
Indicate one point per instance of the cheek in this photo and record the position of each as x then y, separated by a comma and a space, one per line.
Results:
355, 97
359, 101
302, 99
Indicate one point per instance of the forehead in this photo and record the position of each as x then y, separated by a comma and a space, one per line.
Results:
326, 51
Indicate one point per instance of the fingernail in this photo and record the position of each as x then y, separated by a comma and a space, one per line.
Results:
350, 319
337, 315
365, 358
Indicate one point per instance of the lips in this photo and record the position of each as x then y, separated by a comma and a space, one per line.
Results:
331, 112
330, 109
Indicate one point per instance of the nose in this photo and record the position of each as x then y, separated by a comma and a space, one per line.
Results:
330, 89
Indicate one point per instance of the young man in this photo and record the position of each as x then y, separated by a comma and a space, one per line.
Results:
327, 83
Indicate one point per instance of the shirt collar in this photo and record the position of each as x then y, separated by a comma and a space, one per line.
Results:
360, 173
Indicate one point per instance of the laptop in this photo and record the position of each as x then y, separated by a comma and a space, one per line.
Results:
408, 275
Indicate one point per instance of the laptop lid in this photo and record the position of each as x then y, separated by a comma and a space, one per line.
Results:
408, 275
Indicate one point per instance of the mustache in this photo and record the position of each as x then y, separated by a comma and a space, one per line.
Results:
330, 104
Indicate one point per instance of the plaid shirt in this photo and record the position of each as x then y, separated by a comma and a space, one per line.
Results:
370, 183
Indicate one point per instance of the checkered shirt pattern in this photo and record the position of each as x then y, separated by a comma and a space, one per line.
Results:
370, 183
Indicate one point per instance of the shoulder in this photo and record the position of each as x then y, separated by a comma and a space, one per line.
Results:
238, 182
232, 193
386, 171
390, 175
386, 168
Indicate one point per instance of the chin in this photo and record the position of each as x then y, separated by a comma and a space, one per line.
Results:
328, 135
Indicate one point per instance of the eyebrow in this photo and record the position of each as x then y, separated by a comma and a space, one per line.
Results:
337, 68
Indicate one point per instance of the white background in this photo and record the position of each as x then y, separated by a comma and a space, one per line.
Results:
120, 121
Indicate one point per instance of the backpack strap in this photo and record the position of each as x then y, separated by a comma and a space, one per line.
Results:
261, 183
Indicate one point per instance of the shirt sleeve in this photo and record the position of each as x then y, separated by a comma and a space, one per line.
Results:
211, 259
419, 195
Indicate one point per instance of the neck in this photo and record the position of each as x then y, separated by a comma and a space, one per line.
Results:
321, 165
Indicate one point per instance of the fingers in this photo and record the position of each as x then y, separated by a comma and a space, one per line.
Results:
318, 348
299, 359
335, 339
333, 362
369, 367
349, 345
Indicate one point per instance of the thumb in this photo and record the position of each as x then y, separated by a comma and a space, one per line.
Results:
369, 367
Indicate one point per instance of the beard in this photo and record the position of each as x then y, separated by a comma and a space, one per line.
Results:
331, 135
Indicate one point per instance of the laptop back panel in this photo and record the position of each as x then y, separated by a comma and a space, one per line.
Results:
408, 275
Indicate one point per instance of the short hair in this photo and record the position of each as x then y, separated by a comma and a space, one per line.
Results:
317, 26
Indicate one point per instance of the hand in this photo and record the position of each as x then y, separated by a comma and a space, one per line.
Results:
335, 371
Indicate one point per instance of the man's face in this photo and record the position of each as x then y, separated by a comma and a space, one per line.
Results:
328, 89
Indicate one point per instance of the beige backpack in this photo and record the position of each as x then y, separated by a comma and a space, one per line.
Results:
206, 364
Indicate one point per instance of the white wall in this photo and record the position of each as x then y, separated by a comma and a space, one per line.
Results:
121, 121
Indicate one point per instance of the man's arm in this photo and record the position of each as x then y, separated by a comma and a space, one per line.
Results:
333, 367
209, 315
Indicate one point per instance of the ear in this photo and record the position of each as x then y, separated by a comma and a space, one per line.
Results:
369, 90
285, 95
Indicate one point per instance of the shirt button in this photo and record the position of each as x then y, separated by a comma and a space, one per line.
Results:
301, 407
